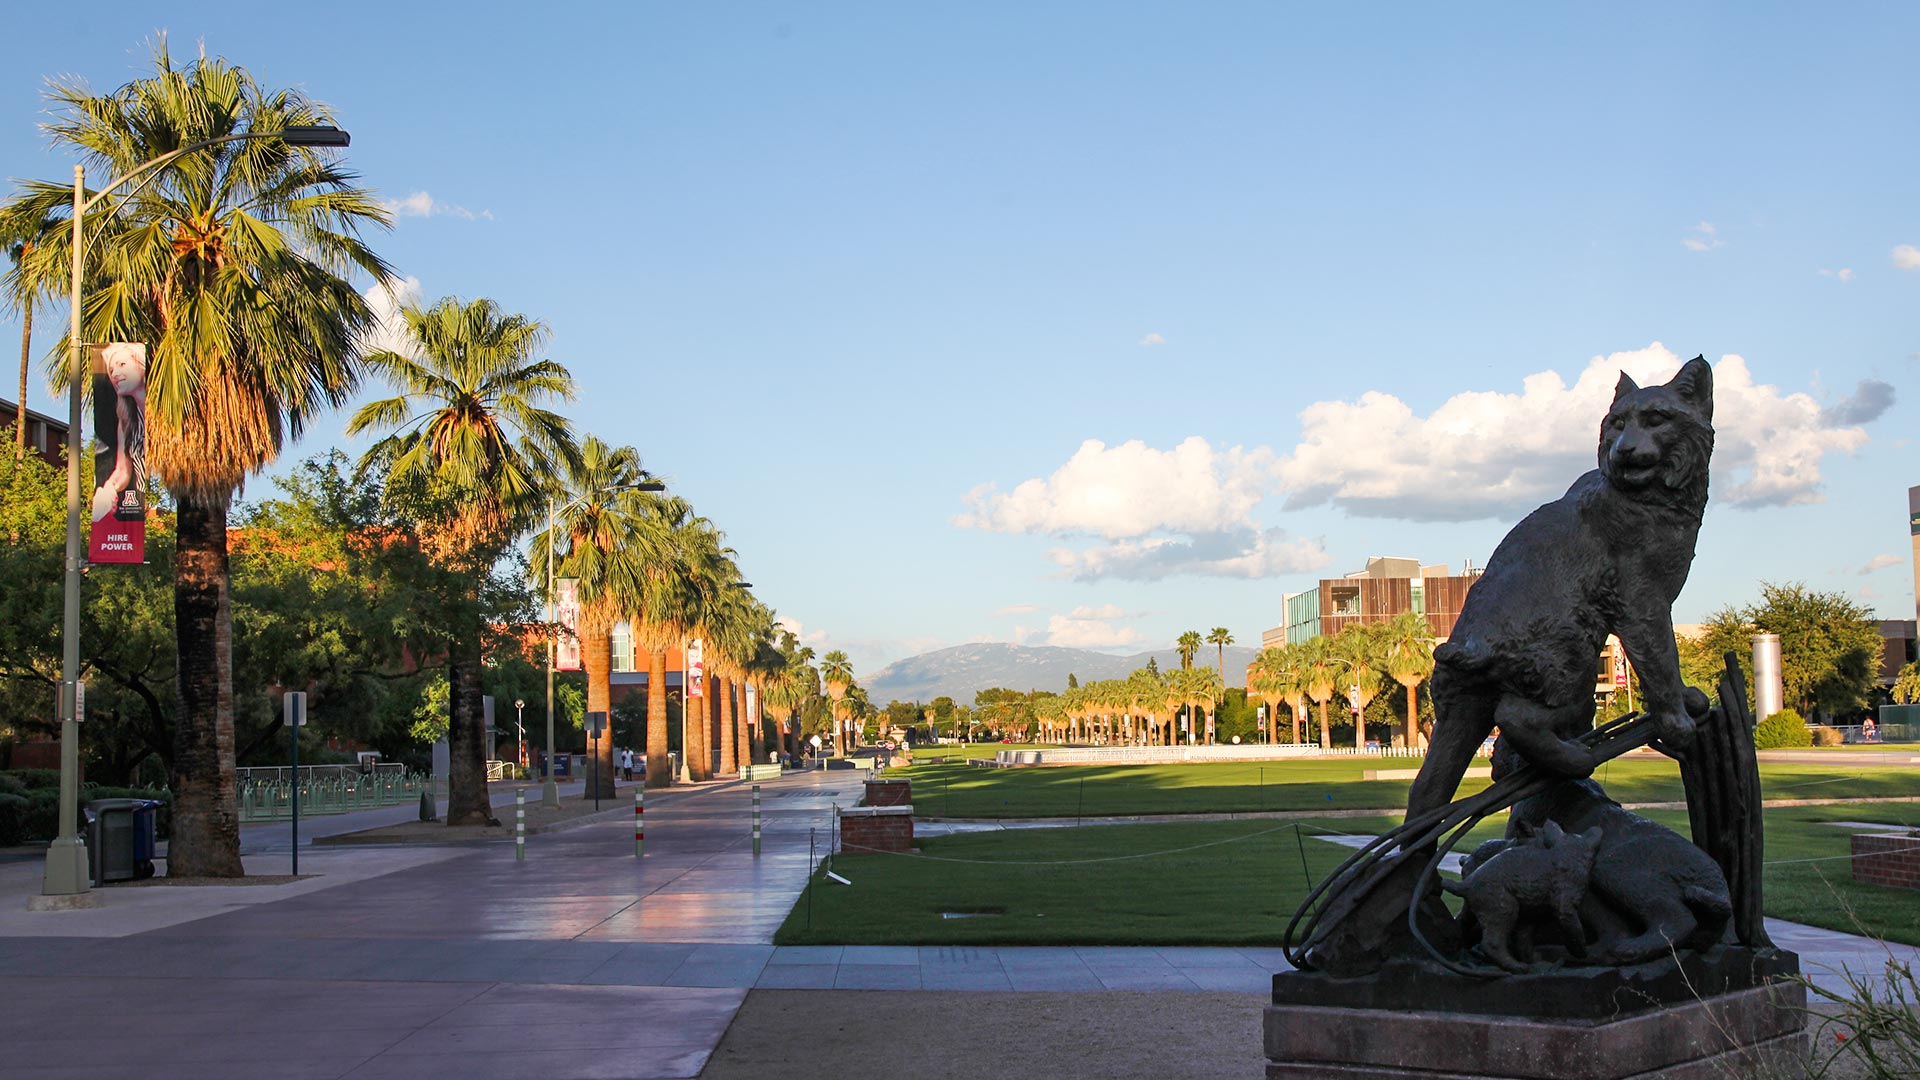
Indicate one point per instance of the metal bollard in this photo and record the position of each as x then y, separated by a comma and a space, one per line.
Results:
756, 820
520, 825
639, 820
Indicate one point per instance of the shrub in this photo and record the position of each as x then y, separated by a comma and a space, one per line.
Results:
12, 785
13, 819
1828, 736
1782, 731
35, 778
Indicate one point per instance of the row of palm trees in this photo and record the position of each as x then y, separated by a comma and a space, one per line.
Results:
233, 264
1142, 709
1355, 665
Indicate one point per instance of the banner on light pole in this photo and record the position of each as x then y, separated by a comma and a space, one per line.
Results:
566, 612
696, 670
119, 530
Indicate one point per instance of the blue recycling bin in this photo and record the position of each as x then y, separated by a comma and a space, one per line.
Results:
563, 765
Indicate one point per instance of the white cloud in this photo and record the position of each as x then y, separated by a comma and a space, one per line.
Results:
1104, 611
1073, 632
1188, 510
1702, 237
1880, 562
1129, 490
794, 627
422, 204
1907, 257
1018, 609
1868, 402
1842, 275
1485, 454
385, 299
1152, 339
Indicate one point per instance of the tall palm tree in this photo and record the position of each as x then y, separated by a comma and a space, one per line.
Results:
1265, 678
1188, 644
232, 264
1200, 689
468, 455
837, 672
606, 536
1408, 638
18, 252
1319, 674
1221, 637
1359, 645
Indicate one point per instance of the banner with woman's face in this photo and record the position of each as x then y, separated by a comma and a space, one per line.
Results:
119, 531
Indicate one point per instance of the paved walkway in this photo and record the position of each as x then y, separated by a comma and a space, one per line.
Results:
460, 961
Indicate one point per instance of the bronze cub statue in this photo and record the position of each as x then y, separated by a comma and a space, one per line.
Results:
1651, 890
1548, 870
1608, 557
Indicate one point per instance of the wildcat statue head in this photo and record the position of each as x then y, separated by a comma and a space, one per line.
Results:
1656, 441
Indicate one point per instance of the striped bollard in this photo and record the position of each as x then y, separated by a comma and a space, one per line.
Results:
520, 825
639, 820
756, 820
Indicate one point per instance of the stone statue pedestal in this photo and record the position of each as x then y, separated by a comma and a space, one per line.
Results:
1706, 1017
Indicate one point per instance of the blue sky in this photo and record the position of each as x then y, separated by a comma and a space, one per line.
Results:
833, 268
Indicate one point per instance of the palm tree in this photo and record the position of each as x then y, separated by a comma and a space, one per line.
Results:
1188, 644
18, 252
1265, 677
1221, 637
1408, 638
1359, 646
606, 536
1200, 689
232, 265
837, 672
1319, 673
467, 455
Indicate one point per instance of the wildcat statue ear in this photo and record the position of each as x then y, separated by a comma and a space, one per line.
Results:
1695, 384
1625, 386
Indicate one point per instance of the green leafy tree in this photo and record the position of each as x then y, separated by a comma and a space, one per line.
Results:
1906, 686
467, 455
232, 264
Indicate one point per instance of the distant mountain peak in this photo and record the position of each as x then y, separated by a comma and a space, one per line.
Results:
961, 671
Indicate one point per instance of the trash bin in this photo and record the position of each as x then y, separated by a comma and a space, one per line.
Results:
120, 836
563, 765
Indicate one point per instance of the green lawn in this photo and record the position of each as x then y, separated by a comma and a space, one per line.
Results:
1152, 884
966, 791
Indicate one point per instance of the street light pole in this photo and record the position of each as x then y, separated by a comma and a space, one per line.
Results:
66, 870
520, 731
550, 791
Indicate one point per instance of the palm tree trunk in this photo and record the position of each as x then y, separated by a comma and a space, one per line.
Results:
729, 726
1413, 718
26, 357
596, 659
467, 800
1326, 736
699, 748
1360, 728
206, 815
659, 768
1296, 723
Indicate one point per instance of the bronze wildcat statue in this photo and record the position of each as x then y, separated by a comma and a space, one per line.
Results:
1608, 557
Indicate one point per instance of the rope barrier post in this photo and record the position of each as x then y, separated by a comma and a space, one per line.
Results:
756, 821
639, 820
520, 825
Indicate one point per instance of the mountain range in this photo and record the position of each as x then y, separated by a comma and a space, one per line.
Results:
963, 670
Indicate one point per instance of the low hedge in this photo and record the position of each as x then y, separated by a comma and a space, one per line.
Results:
35, 816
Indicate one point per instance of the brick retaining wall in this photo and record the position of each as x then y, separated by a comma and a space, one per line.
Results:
889, 793
1889, 859
876, 828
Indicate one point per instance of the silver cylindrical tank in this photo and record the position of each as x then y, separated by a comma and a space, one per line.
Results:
1767, 686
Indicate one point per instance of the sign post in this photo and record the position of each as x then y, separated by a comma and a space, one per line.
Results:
293, 710
596, 724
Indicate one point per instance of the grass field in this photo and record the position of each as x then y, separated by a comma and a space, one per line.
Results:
1235, 882
1104, 790
965, 791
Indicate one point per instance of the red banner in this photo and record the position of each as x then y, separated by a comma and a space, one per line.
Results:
119, 530
566, 653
